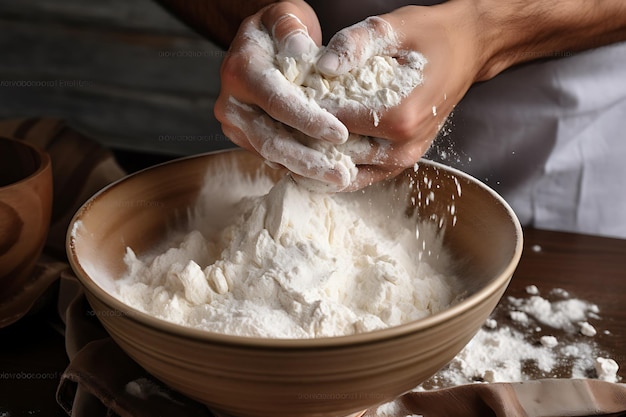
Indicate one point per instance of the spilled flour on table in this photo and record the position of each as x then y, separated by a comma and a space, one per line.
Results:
526, 345
549, 336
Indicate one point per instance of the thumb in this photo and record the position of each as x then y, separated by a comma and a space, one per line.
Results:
292, 36
351, 47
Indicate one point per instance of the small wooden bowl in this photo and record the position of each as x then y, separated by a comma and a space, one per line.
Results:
25, 210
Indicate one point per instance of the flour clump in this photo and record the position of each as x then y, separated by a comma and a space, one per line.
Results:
381, 82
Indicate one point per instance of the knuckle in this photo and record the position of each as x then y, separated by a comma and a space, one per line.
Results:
378, 25
233, 68
405, 127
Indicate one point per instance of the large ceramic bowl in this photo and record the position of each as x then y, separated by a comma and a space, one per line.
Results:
246, 376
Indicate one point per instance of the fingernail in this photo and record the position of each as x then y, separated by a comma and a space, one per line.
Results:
272, 165
335, 134
339, 176
328, 63
298, 43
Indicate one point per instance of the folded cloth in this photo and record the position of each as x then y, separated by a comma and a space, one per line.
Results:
101, 380
540, 398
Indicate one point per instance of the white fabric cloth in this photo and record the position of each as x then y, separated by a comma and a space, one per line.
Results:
551, 138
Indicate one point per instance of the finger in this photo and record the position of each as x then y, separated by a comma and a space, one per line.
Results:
251, 70
312, 184
296, 51
303, 160
237, 136
318, 186
353, 46
378, 159
370, 174
291, 38
305, 19
365, 150
378, 75
286, 103
278, 144
290, 35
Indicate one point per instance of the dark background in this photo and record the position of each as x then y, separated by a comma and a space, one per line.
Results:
125, 72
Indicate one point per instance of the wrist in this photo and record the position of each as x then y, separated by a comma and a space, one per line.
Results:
517, 31
514, 32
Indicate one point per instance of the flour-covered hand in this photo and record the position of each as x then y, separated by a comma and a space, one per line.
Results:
311, 160
404, 131
261, 110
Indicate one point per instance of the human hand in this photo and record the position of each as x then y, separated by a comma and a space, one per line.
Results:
262, 111
464, 41
446, 36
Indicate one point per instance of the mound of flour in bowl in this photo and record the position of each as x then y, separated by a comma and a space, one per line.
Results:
290, 263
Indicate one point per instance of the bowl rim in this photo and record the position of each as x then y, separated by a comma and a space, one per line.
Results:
190, 333
44, 161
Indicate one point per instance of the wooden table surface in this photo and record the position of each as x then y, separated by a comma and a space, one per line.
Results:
32, 355
588, 267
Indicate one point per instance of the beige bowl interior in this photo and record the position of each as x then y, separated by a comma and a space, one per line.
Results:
320, 377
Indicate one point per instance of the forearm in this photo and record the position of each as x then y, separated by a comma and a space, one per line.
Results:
216, 20
516, 31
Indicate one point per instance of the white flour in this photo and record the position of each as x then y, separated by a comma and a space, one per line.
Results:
292, 264
380, 83
511, 350
146, 389
519, 350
